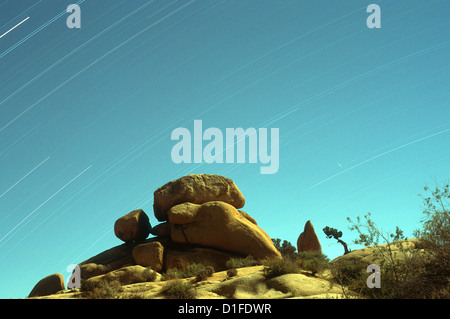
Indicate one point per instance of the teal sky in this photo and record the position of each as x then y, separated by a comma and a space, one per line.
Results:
86, 115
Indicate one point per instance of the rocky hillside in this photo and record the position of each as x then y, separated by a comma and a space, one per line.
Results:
200, 224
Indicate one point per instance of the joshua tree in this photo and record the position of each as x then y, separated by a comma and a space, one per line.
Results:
334, 233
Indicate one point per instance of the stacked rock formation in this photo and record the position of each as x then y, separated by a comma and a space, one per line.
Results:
200, 223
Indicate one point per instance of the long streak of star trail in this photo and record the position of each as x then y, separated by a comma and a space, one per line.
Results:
95, 62
16, 183
42, 27
45, 202
1, 36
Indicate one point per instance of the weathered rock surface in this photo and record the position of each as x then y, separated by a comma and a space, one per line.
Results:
48, 285
196, 189
128, 275
91, 270
371, 255
249, 283
302, 285
219, 225
308, 240
134, 226
149, 255
111, 259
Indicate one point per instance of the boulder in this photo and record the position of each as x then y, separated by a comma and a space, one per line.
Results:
308, 240
302, 285
209, 257
134, 226
196, 189
219, 225
91, 270
115, 258
149, 255
108, 260
48, 286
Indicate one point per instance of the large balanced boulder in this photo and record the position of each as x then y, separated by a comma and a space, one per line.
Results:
196, 189
134, 226
219, 225
308, 240
48, 286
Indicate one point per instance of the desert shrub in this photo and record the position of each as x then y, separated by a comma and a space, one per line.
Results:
417, 271
170, 274
434, 238
232, 272
242, 262
136, 295
275, 267
179, 289
313, 261
349, 273
147, 275
100, 289
207, 272
190, 270
390, 255
286, 249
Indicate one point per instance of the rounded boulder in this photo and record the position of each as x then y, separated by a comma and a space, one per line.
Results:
220, 225
196, 189
132, 227
48, 286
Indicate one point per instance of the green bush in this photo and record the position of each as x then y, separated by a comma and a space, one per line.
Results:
191, 270
313, 261
207, 272
415, 271
242, 262
170, 274
232, 272
286, 249
279, 266
179, 289
100, 289
349, 272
